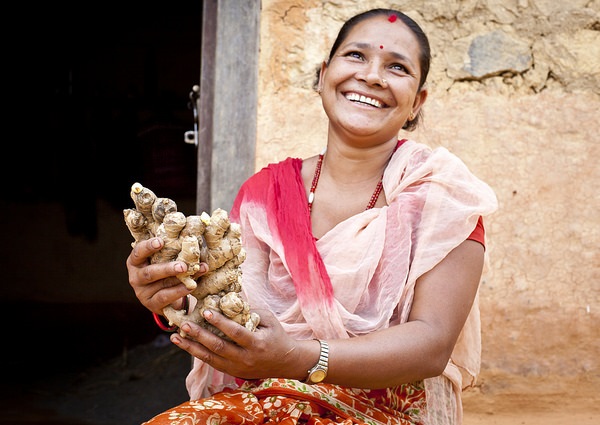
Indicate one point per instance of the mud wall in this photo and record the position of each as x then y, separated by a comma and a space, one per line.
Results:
515, 92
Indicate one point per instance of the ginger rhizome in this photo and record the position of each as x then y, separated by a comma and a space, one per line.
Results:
195, 239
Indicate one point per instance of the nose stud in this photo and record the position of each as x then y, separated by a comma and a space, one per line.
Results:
384, 81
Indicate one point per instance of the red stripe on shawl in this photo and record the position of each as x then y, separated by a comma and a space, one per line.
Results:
279, 188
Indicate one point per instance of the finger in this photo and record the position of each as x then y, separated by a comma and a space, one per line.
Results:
158, 271
236, 332
158, 295
204, 345
201, 271
194, 348
139, 268
143, 250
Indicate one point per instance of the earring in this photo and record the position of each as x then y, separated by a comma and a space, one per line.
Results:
411, 116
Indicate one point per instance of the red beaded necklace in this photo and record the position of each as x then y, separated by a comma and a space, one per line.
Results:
313, 186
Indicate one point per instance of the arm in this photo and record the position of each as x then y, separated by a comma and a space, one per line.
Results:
417, 349
421, 347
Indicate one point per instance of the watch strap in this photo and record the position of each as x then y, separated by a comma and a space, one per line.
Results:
322, 365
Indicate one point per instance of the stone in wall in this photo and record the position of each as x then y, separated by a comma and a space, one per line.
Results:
573, 59
487, 55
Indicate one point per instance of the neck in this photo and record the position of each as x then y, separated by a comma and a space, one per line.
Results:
349, 165
356, 186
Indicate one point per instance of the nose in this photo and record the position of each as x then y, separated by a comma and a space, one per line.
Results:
372, 75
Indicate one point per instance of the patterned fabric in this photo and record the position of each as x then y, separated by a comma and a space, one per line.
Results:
290, 402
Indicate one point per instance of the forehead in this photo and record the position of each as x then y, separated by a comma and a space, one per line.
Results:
379, 31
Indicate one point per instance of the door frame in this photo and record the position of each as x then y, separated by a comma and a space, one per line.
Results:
228, 100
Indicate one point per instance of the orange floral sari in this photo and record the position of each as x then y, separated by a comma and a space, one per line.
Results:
290, 402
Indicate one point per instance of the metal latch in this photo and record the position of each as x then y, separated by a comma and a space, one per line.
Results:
191, 137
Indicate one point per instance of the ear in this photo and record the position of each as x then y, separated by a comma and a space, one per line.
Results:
420, 99
322, 76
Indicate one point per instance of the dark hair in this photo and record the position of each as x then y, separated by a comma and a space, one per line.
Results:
425, 50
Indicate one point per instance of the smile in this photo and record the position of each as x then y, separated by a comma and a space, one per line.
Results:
355, 97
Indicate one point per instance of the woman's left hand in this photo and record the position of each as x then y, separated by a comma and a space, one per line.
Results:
266, 352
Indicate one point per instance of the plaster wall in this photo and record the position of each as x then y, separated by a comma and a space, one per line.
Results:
515, 92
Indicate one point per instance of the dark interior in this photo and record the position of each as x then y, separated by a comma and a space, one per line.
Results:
97, 98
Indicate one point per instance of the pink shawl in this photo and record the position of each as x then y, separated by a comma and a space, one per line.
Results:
360, 276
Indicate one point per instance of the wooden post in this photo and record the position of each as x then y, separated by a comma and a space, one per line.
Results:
228, 100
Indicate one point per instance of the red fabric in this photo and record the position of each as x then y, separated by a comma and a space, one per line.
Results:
282, 401
280, 188
478, 233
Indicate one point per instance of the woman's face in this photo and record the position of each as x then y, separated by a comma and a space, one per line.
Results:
370, 85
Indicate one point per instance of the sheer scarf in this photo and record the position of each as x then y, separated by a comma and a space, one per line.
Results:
360, 276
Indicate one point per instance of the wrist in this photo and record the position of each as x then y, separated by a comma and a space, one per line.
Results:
318, 372
306, 355
163, 323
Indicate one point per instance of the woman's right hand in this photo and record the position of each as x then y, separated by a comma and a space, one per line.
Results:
155, 285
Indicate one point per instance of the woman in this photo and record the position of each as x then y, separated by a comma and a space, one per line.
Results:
363, 262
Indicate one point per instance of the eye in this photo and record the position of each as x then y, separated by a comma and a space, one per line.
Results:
354, 54
398, 67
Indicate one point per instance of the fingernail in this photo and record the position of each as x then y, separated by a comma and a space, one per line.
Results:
155, 243
208, 315
186, 328
203, 267
180, 267
175, 339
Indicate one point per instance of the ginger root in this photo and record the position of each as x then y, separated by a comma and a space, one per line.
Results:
195, 239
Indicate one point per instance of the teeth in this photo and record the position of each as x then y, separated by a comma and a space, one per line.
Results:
364, 99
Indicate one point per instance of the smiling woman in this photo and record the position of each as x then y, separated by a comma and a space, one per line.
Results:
367, 73
331, 278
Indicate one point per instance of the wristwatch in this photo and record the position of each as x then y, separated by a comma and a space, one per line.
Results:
319, 371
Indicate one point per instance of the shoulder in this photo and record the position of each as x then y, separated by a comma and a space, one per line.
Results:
271, 170
416, 154
260, 185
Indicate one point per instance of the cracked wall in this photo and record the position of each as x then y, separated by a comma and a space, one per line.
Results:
515, 92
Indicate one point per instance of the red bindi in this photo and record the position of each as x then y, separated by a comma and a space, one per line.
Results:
392, 18
381, 47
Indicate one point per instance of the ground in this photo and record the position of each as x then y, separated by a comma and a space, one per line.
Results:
576, 403
125, 390
82, 380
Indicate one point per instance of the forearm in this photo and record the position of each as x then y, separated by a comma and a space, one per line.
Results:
405, 353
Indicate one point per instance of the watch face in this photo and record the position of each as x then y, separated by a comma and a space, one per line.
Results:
317, 376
